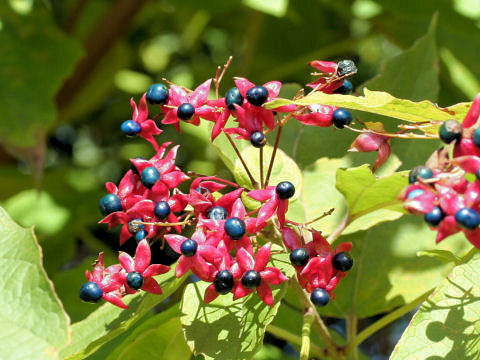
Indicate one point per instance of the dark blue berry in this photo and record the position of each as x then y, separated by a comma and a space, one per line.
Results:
223, 282
341, 117
434, 217
217, 213
345, 89
185, 111
235, 228
202, 190
109, 204
162, 210
257, 95
251, 279
233, 97
91, 292
420, 171
285, 190
258, 139
320, 297
476, 138
132, 166
130, 128
142, 234
149, 177
134, 280
467, 218
342, 261
157, 94
414, 193
299, 257
450, 130
346, 67
189, 247
134, 227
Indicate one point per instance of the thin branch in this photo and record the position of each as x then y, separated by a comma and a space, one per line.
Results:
272, 159
262, 184
307, 324
252, 180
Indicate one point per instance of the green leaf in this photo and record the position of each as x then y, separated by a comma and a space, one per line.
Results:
446, 325
108, 321
276, 8
160, 337
35, 58
226, 328
34, 324
442, 255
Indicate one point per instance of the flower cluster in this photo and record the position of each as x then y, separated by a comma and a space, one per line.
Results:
224, 249
442, 190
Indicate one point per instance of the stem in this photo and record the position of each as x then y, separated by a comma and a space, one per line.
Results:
219, 75
352, 323
294, 339
387, 319
185, 222
252, 180
210, 177
326, 213
274, 153
338, 231
261, 168
307, 324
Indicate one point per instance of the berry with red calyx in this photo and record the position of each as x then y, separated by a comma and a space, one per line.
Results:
345, 89
423, 172
162, 210
476, 138
257, 95
342, 261
341, 117
217, 213
434, 217
189, 247
185, 111
235, 228
130, 128
258, 139
223, 282
320, 297
285, 190
132, 166
149, 177
251, 279
135, 280
91, 292
450, 130
346, 67
467, 218
110, 203
299, 257
233, 97
134, 226
157, 94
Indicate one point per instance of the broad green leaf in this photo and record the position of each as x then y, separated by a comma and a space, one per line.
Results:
160, 337
108, 321
35, 58
446, 325
227, 328
387, 272
34, 324
442, 255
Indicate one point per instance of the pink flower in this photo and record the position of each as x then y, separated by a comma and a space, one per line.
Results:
141, 265
273, 204
368, 142
319, 115
329, 68
148, 127
418, 198
258, 269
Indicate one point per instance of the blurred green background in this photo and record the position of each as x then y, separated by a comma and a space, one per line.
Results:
68, 69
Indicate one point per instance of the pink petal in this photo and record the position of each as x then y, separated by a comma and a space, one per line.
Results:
383, 155
177, 96
151, 285
124, 234
142, 110
468, 163
114, 299
472, 194
174, 178
267, 211
126, 261
244, 243
451, 203
245, 260
210, 294
316, 119
242, 133
472, 116
267, 118
262, 195
290, 238
466, 147
282, 210
111, 187
263, 256
175, 242
227, 201
240, 291
322, 247
113, 282
155, 269
265, 294
220, 123
286, 108
243, 85
344, 247
474, 237
238, 210
200, 267
328, 67
200, 95
273, 88
98, 268
184, 264
447, 227
273, 276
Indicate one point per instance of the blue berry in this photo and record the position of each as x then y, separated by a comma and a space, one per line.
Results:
414, 193
251, 279
342, 261
134, 227
235, 228
420, 171
476, 138
133, 168
149, 177
320, 297
202, 190
467, 218
217, 213
130, 128
258, 139
157, 94
233, 97
223, 282
109, 204
341, 117
346, 67
134, 280
299, 257
345, 89
162, 210
91, 292
434, 217
257, 95
189, 247
450, 130
185, 111
142, 234
285, 190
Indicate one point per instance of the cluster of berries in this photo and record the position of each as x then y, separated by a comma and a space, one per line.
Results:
223, 249
443, 191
